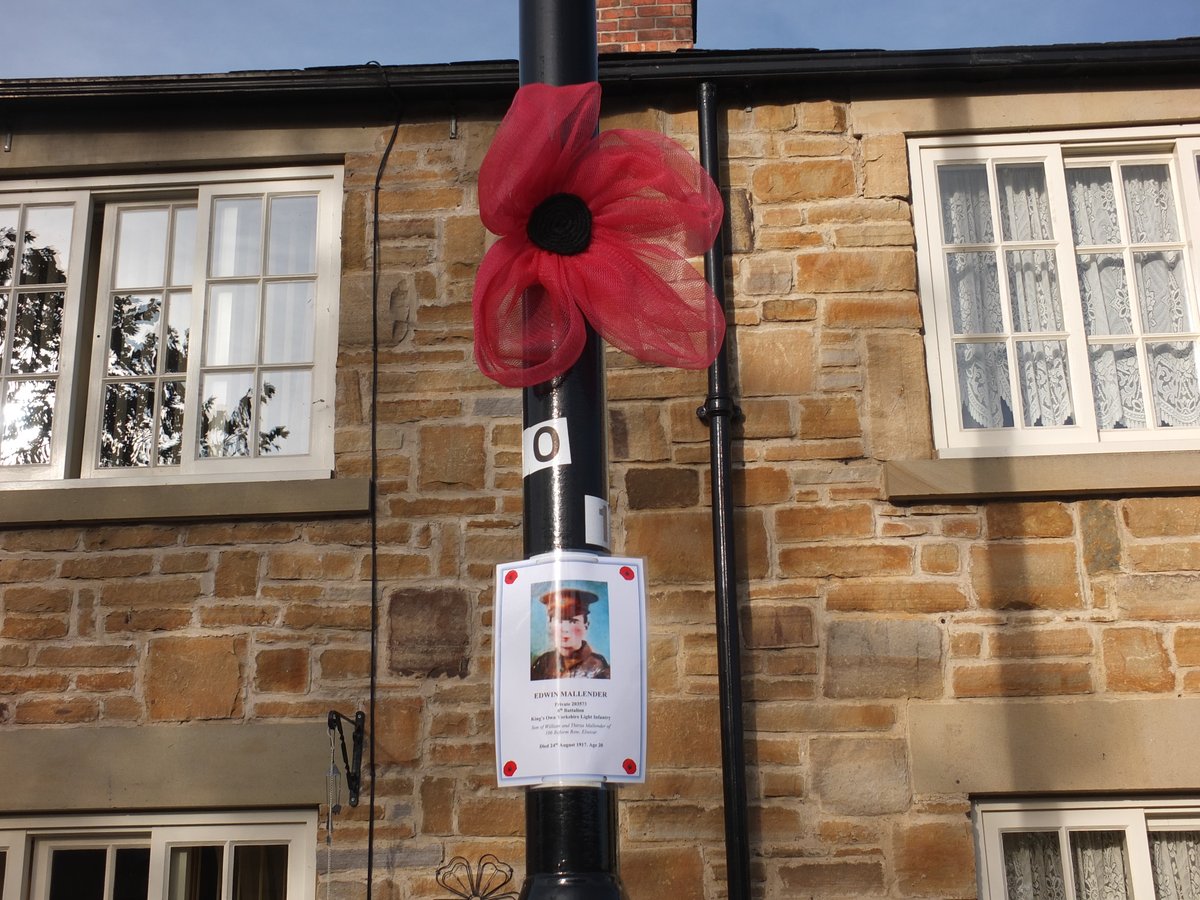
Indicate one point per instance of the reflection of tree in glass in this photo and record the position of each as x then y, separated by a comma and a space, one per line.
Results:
133, 341
39, 265
227, 433
8, 249
28, 410
28, 419
128, 424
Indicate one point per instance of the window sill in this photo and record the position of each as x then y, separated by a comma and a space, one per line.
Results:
81, 504
949, 480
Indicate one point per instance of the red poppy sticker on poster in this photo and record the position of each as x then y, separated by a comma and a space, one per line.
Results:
570, 669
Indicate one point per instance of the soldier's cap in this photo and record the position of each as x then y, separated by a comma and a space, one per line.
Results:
567, 603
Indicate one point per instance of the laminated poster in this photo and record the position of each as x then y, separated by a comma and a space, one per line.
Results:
570, 669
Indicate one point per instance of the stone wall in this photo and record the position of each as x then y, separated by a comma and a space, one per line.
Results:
853, 608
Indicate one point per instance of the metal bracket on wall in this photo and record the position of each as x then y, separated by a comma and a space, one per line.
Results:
353, 767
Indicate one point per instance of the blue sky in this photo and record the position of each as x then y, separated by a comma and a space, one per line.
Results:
152, 37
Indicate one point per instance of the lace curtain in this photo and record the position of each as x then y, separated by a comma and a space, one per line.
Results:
1159, 286
1033, 866
1034, 301
1175, 862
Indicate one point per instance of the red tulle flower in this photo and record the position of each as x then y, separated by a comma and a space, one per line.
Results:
592, 227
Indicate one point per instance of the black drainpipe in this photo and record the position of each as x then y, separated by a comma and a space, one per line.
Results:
719, 411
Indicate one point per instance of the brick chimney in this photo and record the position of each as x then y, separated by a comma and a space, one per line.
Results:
645, 25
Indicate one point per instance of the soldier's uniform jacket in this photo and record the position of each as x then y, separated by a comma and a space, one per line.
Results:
584, 663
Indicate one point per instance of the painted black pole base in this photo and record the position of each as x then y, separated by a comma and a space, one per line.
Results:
571, 844
597, 886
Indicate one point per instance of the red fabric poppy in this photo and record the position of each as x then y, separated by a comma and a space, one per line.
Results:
595, 227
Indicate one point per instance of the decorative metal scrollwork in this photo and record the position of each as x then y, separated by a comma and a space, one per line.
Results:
486, 882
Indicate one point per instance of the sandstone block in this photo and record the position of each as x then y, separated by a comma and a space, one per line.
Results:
883, 658
856, 271
896, 411
846, 560
934, 859
872, 595
1135, 659
663, 872
773, 625
813, 522
802, 180
637, 433
678, 545
398, 730
193, 678
683, 733
429, 631
283, 670
860, 776
662, 488
1161, 516
1024, 679
1026, 576
775, 363
832, 878
1028, 520
885, 165
452, 456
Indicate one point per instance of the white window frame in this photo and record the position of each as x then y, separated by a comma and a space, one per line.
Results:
1136, 818
78, 408
27, 843
1181, 144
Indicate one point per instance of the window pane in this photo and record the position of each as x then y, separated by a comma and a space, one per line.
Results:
179, 330
232, 330
260, 873
8, 242
1045, 387
37, 333
292, 244
170, 429
27, 419
1105, 293
141, 248
1162, 294
285, 405
183, 245
1093, 206
1033, 867
289, 322
195, 873
1116, 386
133, 344
975, 293
3, 323
132, 878
47, 250
1175, 863
226, 414
1100, 864
1033, 290
1151, 203
78, 874
1174, 384
128, 425
237, 237
985, 392
966, 208
1024, 206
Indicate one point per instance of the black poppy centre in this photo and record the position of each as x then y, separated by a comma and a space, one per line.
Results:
562, 224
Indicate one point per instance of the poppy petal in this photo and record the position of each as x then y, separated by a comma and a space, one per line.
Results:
540, 140
526, 330
650, 302
647, 186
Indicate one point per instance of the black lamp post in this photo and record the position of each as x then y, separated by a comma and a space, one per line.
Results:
571, 830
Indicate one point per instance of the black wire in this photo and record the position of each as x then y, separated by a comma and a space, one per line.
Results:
374, 684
